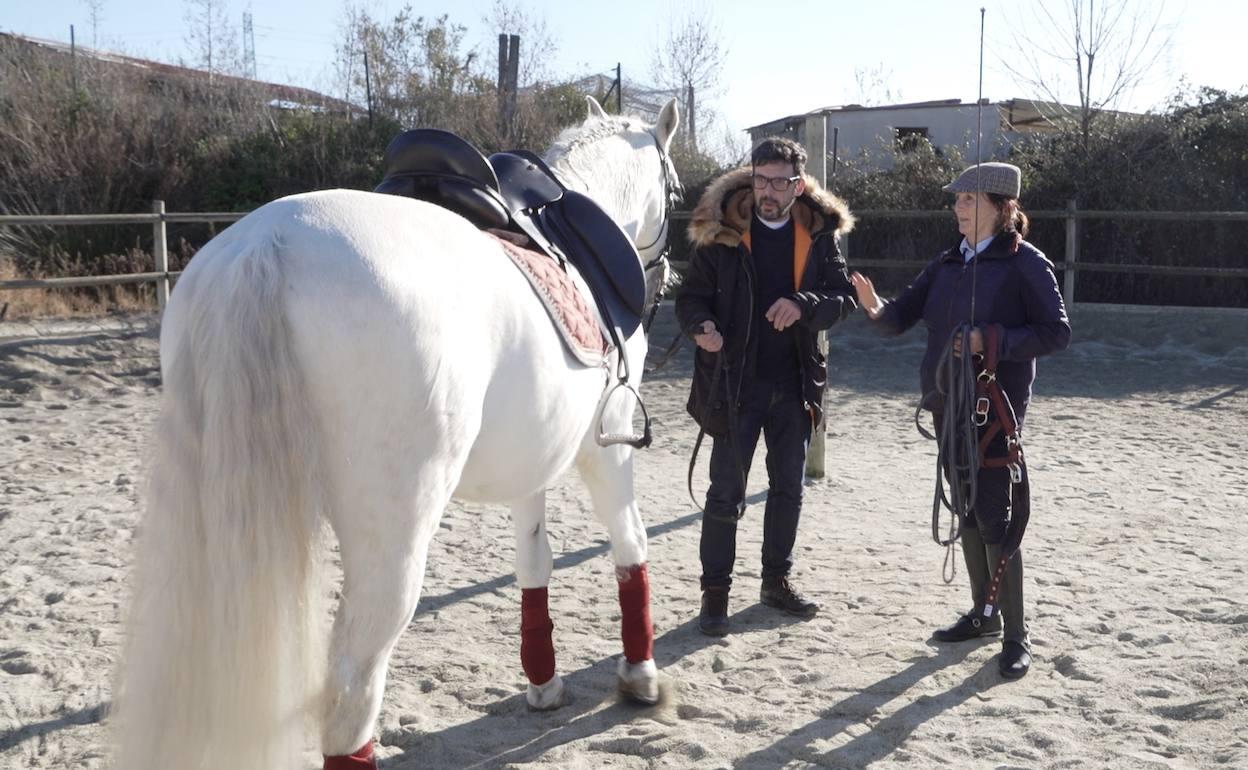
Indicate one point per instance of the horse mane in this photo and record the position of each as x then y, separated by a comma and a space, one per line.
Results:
580, 136
575, 137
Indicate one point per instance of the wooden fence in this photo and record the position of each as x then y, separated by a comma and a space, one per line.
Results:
158, 219
1072, 265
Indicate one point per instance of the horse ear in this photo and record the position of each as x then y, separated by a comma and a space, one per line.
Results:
595, 109
669, 120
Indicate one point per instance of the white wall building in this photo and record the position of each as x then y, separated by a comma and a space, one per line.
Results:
872, 137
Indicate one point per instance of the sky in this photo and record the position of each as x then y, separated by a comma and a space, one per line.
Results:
776, 65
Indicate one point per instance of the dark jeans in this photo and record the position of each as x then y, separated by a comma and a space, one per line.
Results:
778, 414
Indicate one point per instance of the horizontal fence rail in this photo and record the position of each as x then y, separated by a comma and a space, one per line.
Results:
1071, 266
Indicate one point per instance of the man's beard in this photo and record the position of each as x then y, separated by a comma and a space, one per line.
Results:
781, 212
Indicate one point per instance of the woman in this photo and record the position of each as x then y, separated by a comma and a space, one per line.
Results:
1004, 288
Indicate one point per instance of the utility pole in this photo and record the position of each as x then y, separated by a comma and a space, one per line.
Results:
692, 111
249, 47
508, 83
368, 89
73, 59
619, 90
817, 152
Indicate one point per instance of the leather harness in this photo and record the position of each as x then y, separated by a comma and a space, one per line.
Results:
991, 399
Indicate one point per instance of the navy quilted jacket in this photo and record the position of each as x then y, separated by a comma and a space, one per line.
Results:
1014, 287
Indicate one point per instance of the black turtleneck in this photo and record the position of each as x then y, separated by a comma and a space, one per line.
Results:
772, 252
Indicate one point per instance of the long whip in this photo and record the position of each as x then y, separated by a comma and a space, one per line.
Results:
979, 138
957, 451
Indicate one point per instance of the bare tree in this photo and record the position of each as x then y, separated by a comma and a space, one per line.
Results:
211, 38
872, 85
419, 73
1096, 51
689, 58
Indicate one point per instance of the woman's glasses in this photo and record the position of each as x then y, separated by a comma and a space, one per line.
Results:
777, 183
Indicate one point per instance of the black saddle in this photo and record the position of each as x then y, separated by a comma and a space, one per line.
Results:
568, 224
437, 166
516, 190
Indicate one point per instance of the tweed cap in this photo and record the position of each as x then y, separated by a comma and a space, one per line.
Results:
1000, 178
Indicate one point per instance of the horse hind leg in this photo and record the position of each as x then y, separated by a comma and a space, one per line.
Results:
383, 538
534, 564
609, 475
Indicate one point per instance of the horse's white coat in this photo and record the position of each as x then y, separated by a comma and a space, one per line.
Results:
358, 359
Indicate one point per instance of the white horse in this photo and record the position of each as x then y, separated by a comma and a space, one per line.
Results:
358, 359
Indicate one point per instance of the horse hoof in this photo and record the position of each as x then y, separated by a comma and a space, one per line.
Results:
544, 697
639, 682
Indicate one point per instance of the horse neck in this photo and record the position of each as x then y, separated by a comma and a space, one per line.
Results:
606, 171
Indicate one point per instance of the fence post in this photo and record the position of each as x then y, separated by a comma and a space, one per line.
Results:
817, 151
161, 250
1072, 253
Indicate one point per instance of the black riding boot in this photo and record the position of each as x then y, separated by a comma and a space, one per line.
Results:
1015, 657
973, 624
713, 620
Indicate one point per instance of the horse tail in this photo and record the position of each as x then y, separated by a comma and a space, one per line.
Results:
224, 662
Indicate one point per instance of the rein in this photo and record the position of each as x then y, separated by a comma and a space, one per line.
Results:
716, 376
731, 402
976, 409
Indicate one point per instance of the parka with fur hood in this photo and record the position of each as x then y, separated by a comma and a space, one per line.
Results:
720, 286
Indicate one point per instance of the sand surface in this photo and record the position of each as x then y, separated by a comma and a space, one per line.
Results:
1136, 581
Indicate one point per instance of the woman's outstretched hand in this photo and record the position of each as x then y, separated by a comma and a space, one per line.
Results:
870, 301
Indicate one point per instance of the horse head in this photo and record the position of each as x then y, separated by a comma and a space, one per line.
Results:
624, 165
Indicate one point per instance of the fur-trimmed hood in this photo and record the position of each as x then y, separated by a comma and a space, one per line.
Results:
723, 214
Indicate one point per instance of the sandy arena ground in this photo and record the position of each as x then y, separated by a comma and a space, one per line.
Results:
1136, 583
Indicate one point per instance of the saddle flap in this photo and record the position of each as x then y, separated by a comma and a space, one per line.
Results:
603, 253
525, 182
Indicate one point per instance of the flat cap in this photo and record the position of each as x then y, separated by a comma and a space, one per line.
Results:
1000, 178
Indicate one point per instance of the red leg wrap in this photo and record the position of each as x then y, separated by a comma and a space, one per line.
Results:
537, 651
360, 760
635, 625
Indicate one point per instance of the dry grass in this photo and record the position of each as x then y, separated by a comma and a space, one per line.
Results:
71, 302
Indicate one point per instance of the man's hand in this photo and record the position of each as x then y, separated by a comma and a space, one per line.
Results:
977, 343
709, 339
783, 314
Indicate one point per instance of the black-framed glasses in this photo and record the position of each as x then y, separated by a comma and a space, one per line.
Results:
777, 183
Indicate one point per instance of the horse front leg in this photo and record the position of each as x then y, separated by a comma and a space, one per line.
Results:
609, 475
533, 568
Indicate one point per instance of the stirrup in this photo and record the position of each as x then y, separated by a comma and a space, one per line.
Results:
635, 440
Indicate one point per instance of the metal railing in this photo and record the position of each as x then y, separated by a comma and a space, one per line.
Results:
1072, 265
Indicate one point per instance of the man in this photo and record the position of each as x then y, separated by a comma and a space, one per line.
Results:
765, 278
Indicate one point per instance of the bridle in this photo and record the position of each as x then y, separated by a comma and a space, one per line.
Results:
673, 193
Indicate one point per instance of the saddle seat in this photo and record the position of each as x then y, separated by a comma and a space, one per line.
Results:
517, 191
